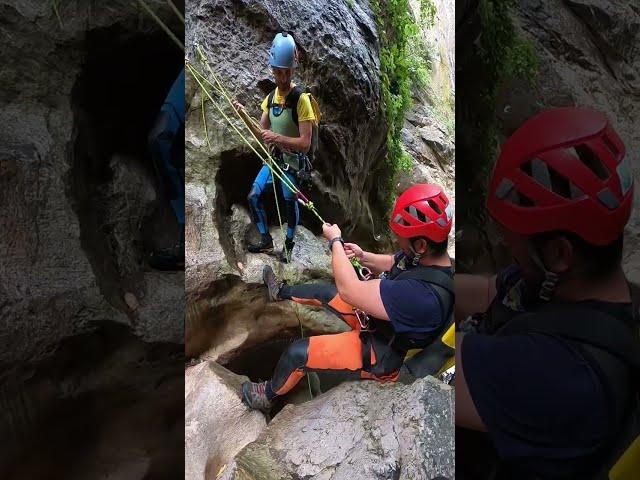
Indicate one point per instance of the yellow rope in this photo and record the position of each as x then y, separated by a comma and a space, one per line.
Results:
221, 89
204, 121
176, 11
196, 76
161, 24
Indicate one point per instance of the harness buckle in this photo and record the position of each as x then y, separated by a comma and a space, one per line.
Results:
363, 320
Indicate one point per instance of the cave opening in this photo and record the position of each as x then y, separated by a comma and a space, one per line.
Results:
67, 416
258, 362
116, 98
234, 180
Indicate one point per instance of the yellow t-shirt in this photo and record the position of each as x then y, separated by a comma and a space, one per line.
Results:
305, 111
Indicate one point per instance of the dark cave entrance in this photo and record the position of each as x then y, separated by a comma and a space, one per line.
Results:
116, 99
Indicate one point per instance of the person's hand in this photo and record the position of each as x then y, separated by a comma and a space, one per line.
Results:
239, 107
269, 137
331, 231
352, 250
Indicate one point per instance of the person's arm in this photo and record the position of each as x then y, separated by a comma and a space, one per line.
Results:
375, 262
362, 295
474, 294
292, 144
466, 413
264, 121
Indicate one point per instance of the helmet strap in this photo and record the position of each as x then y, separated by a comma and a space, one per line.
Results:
415, 259
551, 279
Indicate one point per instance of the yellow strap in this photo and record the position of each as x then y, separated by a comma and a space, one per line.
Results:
449, 338
315, 106
628, 466
411, 353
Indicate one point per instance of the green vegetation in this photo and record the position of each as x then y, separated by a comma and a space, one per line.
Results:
351, 3
499, 56
54, 6
504, 56
404, 65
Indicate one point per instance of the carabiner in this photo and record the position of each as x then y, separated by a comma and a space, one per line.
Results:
364, 272
363, 320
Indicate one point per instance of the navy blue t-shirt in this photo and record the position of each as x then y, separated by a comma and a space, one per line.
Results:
542, 404
413, 306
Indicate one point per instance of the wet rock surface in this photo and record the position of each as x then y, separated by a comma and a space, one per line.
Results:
90, 337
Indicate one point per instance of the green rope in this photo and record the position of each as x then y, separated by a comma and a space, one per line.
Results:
196, 75
54, 4
275, 196
161, 24
176, 11
278, 174
221, 89
204, 121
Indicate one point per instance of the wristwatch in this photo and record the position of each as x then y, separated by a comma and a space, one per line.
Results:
334, 240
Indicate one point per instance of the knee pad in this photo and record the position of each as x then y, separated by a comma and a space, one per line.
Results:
297, 353
292, 213
255, 206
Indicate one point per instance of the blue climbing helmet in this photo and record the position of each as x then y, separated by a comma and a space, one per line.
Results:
283, 52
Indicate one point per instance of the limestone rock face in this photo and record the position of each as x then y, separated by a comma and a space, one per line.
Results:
358, 431
217, 424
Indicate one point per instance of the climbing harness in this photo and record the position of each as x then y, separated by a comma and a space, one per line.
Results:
267, 159
363, 320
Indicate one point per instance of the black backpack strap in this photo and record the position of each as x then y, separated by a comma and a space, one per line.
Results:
584, 325
634, 288
608, 344
292, 102
441, 282
429, 275
270, 99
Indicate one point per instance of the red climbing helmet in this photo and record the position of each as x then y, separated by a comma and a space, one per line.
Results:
563, 170
422, 211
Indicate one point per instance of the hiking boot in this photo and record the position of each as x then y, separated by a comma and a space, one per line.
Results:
285, 255
265, 245
254, 395
272, 283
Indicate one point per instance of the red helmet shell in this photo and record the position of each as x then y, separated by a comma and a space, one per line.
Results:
423, 210
563, 170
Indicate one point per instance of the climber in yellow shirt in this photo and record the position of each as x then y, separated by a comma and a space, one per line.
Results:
287, 126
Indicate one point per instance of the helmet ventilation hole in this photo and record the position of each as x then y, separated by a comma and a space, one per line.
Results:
591, 161
435, 207
610, 146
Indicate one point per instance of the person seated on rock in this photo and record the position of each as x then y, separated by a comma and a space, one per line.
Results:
547, 352
408, 307
166, 141
287, 118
